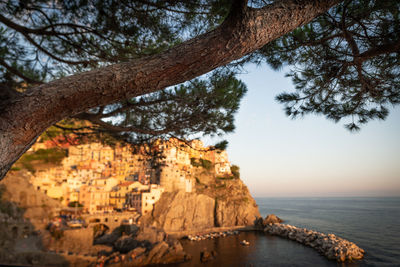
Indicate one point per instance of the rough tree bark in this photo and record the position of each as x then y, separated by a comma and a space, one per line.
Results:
27, 115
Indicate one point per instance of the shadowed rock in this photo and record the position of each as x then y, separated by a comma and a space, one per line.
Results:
125, 244
206, 255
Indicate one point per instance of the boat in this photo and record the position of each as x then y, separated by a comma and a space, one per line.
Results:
244, 242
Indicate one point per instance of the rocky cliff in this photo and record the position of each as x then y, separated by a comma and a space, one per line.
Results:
36, 206
180, 211
215, 202
23, 212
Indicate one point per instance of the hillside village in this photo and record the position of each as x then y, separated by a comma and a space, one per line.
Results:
103, 179
76, 203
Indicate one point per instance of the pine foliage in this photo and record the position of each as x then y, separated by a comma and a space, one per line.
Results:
344, 64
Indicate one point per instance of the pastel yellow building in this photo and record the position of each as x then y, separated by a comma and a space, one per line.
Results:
103, 177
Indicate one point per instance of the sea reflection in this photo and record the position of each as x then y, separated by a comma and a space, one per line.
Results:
371, 223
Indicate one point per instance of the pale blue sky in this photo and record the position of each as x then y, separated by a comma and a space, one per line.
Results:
311, 156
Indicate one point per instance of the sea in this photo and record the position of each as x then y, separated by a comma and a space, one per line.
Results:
372, 223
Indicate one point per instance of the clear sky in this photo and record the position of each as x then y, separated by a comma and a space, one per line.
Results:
310, 156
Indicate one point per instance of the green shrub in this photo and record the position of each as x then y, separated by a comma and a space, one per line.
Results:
194, 162
206, 164
74, 204
51, 155
235, 171
225, 177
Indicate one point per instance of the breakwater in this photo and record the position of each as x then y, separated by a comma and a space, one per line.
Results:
329, 245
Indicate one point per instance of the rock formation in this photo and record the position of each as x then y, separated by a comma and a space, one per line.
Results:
37, 206
23, 213
236, 212
180, 211
271, 219
215, 203
143, 247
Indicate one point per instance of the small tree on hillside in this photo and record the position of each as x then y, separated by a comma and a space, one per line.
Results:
235, 171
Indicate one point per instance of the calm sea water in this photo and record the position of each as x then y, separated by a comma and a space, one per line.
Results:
372, 223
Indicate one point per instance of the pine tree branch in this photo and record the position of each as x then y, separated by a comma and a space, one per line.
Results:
393, 47
115, 128
42, 30
39, 47
18, 73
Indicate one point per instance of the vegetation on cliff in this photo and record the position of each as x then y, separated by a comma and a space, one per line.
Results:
31, 160
206, 164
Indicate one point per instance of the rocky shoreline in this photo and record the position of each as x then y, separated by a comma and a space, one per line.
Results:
329, 245
211, 235
139, 247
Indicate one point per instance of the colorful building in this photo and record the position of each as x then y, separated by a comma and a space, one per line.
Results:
143, 201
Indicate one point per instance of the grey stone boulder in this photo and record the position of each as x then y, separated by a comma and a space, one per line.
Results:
107, 239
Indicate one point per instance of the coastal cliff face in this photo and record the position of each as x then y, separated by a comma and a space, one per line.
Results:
179, 211
215, 202
23, 211
36, 205
236, 213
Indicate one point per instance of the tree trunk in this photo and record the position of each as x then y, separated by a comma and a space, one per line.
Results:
245, 30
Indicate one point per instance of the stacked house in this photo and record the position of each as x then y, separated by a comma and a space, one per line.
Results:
107, 179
